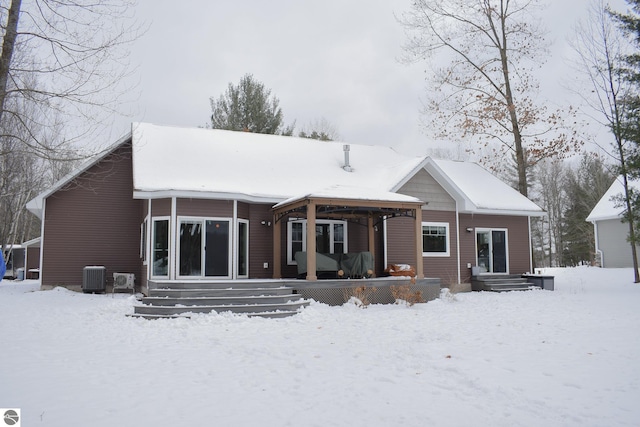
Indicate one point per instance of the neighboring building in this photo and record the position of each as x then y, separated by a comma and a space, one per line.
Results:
611, 234
23, 260
178, 204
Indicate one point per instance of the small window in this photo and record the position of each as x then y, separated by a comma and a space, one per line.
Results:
435, 239
160, 247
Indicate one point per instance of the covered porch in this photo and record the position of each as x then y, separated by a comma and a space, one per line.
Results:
375, 211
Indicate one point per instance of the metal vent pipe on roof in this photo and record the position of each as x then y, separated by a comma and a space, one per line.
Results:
346, 148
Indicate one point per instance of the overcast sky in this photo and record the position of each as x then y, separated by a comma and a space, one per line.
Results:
334, 59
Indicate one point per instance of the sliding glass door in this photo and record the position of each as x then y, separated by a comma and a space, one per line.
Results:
492, 250
204, 248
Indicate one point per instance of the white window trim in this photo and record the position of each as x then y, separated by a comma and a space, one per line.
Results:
506, 247
290, 254
447, 253
144, 247
152, 237
202, 221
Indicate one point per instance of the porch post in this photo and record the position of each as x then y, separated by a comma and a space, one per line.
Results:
277, 248
418, 233
311, 241
372, 245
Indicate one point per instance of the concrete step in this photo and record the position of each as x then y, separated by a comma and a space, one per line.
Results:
194, 293
220, 301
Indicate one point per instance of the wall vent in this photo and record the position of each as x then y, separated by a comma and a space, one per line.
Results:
94, 278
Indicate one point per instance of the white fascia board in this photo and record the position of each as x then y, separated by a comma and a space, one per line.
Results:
477, 211
165, 194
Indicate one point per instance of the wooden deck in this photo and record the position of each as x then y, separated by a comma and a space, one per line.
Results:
269, 297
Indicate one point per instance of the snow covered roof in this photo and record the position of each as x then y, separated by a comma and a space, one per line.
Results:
478, 191
211, 163
258, 167
606, 207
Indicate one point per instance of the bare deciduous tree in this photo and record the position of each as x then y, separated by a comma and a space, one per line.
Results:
599, 57
487, 90
63, 64
69, 57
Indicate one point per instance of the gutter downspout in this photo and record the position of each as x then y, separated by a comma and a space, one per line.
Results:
530, 247
458, 242
234, 242
173, 226
40, 276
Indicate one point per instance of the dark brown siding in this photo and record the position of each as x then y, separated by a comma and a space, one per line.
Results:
243, 210
33, 258
260, 241
93, 221
400, 241
358, 236
518, 240
160, 207
205, 208
401, 245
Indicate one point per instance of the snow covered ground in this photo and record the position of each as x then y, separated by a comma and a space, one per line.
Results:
539, 358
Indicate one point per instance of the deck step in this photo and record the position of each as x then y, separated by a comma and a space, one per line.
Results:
501, 283
234, 308
221, 301
227, 292
214, 284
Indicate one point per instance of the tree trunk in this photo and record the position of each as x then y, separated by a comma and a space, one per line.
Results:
513, 116
8, 43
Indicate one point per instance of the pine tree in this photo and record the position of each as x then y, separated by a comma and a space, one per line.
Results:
248, 107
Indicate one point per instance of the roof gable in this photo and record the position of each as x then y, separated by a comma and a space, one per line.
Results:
606, 208
476, 190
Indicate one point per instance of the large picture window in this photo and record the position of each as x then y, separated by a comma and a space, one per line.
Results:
331, 237
435, 239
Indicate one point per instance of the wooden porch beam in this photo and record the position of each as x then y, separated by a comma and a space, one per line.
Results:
372, 237
418, 239
311, 242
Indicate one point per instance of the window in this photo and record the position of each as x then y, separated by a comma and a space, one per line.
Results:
160, 247
243, 248
143, 242
331, 237
435, 239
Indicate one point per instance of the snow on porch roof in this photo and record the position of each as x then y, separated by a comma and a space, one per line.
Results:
352, 193
257, 167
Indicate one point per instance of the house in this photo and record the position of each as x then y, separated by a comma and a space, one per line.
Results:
172, 204
611, 245
22, 260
